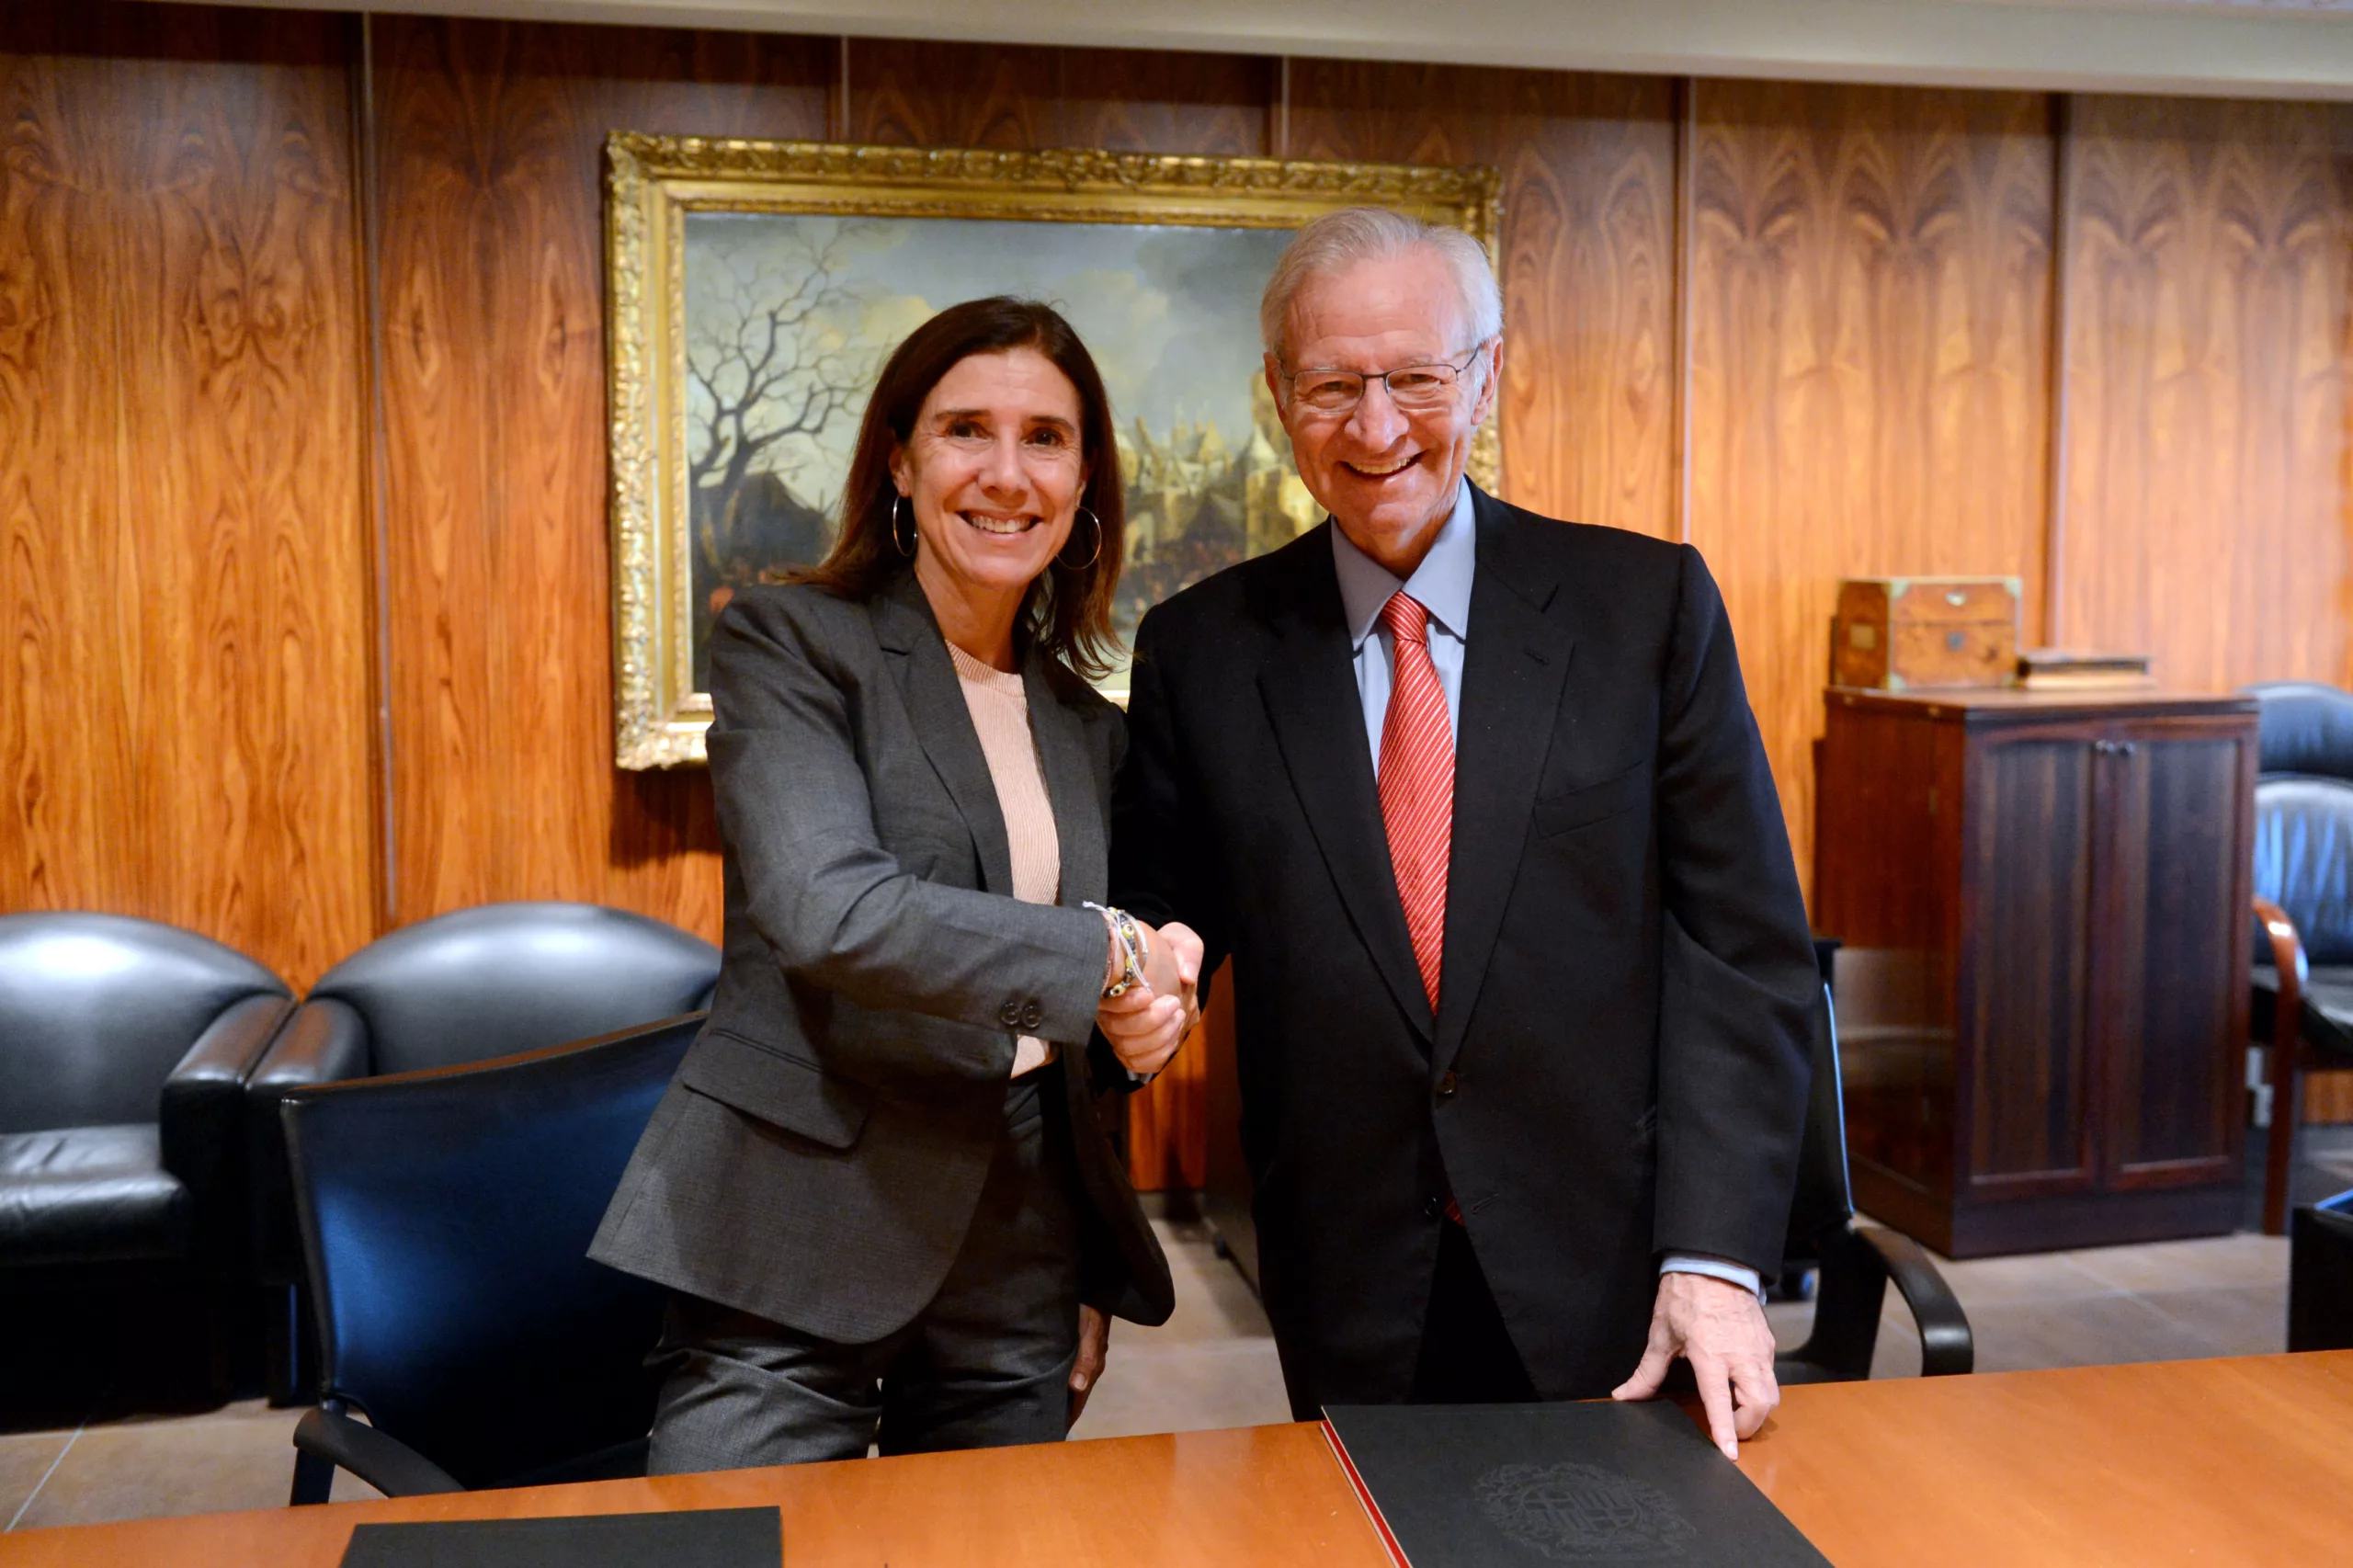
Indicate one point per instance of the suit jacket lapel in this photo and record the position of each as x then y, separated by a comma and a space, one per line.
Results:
1070, 784
1310, 691
1515, 663
935, 698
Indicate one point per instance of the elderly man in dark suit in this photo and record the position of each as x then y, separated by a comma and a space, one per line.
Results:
1477, 804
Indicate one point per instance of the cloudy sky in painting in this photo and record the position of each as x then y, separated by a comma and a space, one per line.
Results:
1171, 314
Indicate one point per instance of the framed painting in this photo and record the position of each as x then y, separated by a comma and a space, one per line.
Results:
753, 290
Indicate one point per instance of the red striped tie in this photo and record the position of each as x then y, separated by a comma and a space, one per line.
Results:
1418, 784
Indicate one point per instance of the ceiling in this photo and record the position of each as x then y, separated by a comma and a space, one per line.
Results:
2237, 47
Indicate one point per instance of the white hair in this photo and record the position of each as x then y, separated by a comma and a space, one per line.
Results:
1340, 240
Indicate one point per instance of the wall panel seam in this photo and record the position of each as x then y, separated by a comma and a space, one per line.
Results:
376, 459
1687, 127
2054, 510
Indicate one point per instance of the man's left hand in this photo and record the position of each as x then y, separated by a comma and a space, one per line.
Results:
1721, 1330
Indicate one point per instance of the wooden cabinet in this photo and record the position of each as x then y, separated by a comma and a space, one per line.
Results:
2042, 997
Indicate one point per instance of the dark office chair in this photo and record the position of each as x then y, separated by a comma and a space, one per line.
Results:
1856, 1262
2303, 886
445, 1219
124, 1050
2319, 1275
462, 987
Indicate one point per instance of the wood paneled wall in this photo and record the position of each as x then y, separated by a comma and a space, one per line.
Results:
1868, 303
186, 598
301, 346
2210, 274
488, 164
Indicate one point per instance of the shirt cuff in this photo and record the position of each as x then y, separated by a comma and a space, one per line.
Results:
1714, 1268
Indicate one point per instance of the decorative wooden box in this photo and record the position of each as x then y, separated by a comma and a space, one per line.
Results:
1906, 633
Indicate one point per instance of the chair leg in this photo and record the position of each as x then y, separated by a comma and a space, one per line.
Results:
313, 1479
291, 1368
1850, 1290
2280, 1152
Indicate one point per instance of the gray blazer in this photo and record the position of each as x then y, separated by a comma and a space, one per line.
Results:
817, 1160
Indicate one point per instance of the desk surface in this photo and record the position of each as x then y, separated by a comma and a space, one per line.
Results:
2247, 1459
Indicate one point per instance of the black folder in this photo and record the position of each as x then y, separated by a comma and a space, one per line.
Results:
705, 1537
1496, 1485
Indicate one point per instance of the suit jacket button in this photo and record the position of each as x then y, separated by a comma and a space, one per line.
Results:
1032, 1016
1446, 1085
1435, 1208
1010, 1014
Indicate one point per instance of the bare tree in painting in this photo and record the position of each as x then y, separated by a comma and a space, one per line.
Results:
766, 361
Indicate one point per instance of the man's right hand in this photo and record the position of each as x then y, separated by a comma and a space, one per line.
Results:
1147, 1023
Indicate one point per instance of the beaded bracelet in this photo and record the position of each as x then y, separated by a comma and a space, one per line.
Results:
1135, 951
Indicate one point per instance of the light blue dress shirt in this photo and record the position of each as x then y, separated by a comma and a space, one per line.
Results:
1441, 585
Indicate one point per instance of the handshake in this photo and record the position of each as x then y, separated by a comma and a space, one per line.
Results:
1147, 1022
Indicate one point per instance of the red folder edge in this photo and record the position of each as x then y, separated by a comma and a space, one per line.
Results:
1364, 1496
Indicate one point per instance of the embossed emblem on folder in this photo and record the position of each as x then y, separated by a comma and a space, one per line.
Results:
1582, 1513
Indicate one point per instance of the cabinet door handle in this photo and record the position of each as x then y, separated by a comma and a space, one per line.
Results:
2115, 748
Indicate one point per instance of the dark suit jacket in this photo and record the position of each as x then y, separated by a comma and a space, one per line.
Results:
819, 1157
1617, 1068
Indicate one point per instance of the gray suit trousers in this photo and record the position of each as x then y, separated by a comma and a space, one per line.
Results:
985, 1363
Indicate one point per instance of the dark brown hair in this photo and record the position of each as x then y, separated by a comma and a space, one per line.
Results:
1068, 610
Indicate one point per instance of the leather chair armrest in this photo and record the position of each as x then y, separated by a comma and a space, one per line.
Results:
202, 1102
2283, 1061
2288, 958
1946, 1347
324, 1042
385, 1463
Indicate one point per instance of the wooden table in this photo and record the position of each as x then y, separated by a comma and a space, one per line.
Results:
2244, 1460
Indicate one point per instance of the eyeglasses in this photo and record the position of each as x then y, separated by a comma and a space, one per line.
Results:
1410, 386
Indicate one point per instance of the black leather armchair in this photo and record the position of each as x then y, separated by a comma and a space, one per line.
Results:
2303, 884
1854, 1263
446, 1220
458, 988
125, 1046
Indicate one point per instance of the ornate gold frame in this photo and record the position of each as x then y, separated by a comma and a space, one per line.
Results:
652, 182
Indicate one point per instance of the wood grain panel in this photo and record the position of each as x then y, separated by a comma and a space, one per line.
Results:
905, 93
2329, 1097
490, 161
2173, 1005
1870, 276
182, 480
2211, 255
1588, 258
2031, 1069
65, 732
913, 94
1131, 101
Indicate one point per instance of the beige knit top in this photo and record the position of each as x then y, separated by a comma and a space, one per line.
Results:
1000, 709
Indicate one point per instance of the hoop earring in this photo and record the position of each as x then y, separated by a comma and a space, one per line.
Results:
1083, 565
907, 549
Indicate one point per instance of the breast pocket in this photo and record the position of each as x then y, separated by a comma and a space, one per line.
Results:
1573, 808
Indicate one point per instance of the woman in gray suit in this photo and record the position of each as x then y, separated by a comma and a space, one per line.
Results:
877, 1190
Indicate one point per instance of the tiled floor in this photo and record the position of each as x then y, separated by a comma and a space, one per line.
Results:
1214, 1363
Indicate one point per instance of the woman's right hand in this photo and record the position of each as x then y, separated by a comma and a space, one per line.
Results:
1148, 1022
